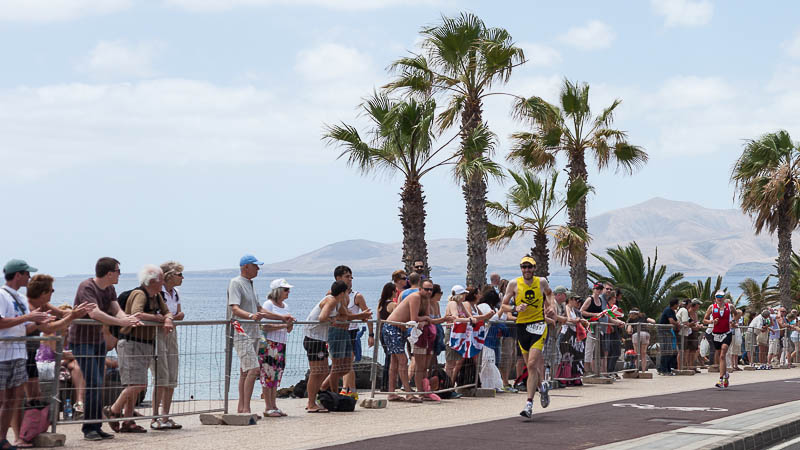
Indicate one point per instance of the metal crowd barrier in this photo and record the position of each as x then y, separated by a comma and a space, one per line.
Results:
209, 357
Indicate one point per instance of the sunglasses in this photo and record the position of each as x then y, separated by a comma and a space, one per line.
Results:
419, 267
286, 289
720, 296
526, 266
427, 289
598, 288
179, 274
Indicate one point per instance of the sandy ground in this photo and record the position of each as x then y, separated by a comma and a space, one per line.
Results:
303, 430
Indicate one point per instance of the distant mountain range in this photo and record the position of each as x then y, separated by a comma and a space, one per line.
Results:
690, 238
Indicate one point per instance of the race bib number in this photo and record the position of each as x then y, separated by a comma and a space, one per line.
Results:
720, 337
536, 328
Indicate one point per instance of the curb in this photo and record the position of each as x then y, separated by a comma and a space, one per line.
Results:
760, 438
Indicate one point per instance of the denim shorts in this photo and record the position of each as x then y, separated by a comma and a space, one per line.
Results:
339, 343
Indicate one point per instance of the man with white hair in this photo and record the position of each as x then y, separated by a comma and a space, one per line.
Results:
136, 346
494, 279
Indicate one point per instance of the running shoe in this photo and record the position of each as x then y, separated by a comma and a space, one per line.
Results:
720, 384
510, 390
725, 381
528, 411
544, 394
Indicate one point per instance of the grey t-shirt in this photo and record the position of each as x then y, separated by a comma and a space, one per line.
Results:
242, 292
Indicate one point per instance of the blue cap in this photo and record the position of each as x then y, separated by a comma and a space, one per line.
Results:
249, 259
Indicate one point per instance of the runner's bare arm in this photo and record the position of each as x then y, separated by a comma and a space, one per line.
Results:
549, 300
511, 292
708, 314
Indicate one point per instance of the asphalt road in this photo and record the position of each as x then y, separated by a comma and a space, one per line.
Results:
593, 425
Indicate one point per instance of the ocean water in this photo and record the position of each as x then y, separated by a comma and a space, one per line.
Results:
203, 298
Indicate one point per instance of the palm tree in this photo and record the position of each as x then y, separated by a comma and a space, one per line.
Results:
572, 131
766, 178
702, 290
759, 296
462, 58
402, 141
643, 285
531, 207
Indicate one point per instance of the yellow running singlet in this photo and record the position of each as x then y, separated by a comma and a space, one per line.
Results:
531, 295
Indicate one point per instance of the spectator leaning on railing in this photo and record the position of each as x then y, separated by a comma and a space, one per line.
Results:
14, 316
168, 360
88, 344
243, 304
136, 346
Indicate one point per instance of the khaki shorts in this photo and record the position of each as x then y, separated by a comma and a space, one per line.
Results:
134, 359
166, 368
247, 350
774, 346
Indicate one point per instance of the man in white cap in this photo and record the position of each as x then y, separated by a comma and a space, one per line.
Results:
721, 315
534, 300
243, 304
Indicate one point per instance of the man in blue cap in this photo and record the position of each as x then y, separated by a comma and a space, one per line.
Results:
243, 304
14, 316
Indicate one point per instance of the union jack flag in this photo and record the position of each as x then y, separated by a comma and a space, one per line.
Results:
468, 339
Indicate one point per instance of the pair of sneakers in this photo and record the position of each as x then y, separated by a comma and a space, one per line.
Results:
723, 382
544, 398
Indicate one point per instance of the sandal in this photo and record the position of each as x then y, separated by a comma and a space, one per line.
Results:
78, 408
414, 399
272, 413
396, 398
110, 415
157, 424
171, 424
318, 410
283, 414
130, 426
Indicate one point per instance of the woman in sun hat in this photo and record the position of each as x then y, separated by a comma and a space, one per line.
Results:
272, 346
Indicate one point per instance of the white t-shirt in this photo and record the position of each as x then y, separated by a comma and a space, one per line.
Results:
277, 335
483, 308
9, 309
683, 318
172, 299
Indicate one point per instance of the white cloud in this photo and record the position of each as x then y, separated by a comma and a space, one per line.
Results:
109, 59
793, 46
540, 55
330, 61
592, 36
690, 91
57, 10
224, 5
683, 12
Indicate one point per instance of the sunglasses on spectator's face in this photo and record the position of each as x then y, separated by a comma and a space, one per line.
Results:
286, 289
419, 267
427, 289
526, 267
598, 288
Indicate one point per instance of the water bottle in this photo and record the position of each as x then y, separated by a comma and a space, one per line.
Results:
68, 410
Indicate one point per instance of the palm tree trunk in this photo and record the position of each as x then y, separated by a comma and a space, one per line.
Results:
412, 219
785, 254
474, 190
577, 218
541, 254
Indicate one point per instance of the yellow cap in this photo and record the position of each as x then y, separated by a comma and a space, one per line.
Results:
527, 259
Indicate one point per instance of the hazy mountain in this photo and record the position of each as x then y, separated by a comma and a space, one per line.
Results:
690, 238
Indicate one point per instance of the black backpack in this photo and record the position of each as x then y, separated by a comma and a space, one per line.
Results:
336, 402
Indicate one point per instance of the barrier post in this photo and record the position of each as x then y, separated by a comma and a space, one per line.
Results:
228, 362
682, 352
55, 400
598, 350
374, 370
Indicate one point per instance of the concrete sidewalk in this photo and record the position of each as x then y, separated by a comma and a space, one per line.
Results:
302, 430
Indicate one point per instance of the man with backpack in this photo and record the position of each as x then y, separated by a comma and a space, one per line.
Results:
136, 346
87, 343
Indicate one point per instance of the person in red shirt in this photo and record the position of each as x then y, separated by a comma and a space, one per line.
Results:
723, 316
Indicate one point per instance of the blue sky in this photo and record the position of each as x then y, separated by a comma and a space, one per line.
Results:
191, 130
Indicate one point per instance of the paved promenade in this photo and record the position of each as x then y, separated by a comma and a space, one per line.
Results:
492, 420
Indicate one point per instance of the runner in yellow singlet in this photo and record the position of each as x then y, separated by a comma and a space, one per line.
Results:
533, 300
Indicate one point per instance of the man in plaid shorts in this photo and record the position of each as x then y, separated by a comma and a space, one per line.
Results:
14, 316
